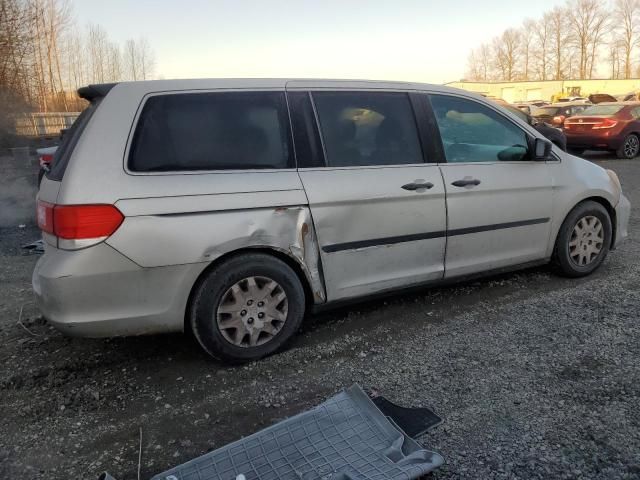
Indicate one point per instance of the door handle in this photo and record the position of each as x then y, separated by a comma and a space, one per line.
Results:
466, 182
418, 186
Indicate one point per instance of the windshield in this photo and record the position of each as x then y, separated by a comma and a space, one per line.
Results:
603, 110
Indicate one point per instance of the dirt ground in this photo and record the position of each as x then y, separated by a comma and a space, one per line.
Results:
536, 376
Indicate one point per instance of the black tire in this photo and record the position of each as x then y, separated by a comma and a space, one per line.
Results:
562, 259
630, 147
211, 290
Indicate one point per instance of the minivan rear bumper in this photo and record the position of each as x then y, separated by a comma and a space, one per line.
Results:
98, 292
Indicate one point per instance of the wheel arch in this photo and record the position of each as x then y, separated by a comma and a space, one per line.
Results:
602, 201
280, 254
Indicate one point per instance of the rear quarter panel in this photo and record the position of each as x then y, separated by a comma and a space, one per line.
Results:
180, 218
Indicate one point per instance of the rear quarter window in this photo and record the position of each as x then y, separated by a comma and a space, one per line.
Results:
212, 131
71, 137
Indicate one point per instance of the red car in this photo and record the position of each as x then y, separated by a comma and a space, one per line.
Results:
606, 126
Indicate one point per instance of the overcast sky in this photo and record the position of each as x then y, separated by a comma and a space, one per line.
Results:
415, 40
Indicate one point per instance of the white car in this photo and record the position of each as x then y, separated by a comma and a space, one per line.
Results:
231, 207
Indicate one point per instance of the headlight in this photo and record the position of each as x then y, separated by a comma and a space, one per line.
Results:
614, 178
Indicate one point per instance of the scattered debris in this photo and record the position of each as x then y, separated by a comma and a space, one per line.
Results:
35, 247
140, 454
19, 322
346, 437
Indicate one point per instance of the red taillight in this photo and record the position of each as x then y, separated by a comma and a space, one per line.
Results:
76, 222
606, 123
45, 160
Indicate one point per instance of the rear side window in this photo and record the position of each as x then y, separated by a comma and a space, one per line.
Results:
212, 131
367, 128
69, 141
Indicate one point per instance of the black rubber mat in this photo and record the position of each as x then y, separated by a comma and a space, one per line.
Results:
413, 421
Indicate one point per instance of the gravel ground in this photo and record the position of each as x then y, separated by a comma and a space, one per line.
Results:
536, 376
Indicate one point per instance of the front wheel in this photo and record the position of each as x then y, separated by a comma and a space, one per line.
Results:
629, 148
583, 240
247, 308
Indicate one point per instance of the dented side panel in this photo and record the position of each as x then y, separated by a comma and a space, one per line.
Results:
202, 228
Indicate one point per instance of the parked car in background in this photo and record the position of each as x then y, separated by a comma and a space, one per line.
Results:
628, 97
606, 126
229, 207
556, 113
45, 157
601, 97
573, 100
552, 133
532, 103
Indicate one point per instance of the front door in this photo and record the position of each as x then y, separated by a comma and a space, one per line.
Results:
499, 202
378, 208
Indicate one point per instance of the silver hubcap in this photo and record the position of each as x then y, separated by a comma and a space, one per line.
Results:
631, 146
586, 240
252, 312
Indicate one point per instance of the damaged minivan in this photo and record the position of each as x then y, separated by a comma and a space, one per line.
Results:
229, 208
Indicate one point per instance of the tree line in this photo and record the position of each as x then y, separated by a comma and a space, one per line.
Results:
581, 39
45, 56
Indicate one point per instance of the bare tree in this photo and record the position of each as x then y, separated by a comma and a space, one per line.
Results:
626, 17
474, 67
138, 59
43, 57
506, 51
542, 32
131, 60
145, 58
616, 59
588, 22
98, 47
527, 39
484, 54
559, 32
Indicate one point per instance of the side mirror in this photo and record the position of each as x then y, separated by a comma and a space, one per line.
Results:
541, 149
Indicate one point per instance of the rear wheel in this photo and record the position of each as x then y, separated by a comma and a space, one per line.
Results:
247, 308
583, 240
630, 147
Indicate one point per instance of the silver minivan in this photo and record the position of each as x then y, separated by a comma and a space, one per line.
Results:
231, 207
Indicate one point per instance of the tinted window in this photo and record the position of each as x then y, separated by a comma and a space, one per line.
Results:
212, 131
603, 110
367, 128
305, 132
518, 113
69, 141
472, 132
